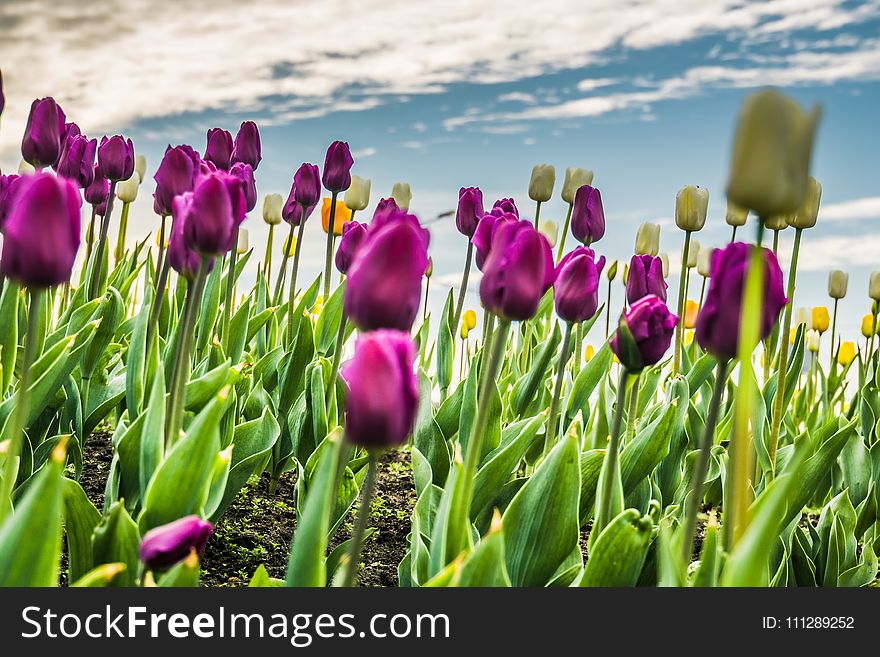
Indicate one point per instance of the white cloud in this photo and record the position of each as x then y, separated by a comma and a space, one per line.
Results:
363, 152
517, 97
860, 208
835, 252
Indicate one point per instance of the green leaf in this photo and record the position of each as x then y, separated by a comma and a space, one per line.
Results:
80, 519
261, 579
327, 326
618, 554
117, 539
427, 435
525, 389
8, 333
446, 343
586, 381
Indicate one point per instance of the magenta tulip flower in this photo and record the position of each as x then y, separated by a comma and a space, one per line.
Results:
505, 206
576, 288
353, 234
385, 208
645, 277
245, 173
77, 160
486, 228
337, 167
219, 148
469, 211
587, 215
212, 213
306, 189
99, 189
166, 545
517, 272
184, 260
247, 148
385, 279
41, 144
8, 185
116, 158
41, 231
649, 326
383, 391
176, 175
717, 327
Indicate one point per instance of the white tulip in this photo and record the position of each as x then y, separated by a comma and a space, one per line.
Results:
575, 178
402, 195
838, 281
874, 286
243, 241
736, 216
127, 190
140, 166
693, 254
648, 239
272, 205
691, 207
541, 183
704, 262
25, 169
776, 222
664, 260
550, 230
806, 215
357, 197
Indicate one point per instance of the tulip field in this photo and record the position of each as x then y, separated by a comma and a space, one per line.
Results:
153, 404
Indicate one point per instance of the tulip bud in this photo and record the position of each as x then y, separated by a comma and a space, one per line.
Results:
612, 271
588, 215
837, 284
116, 158
306, 188
691, 308
243, 241
575, 178
402, 195
806, 215
664, 261
337, 167
693, 254
353, 234
820, 319
813, 340
691, 207
483, 235
357, 197
771, 154
41, 232
176, 175
166, 545
802, 316
648, 239
868, 325
41, 144
470, 319
704, 262
77, 160
469, 210
247, 148
644, 334
140, 166
219, 148
550, 230
272, 204
645, 277
846, 353
210, 213
541, 183
736, 216
505, 206
127, 190
576, 288
777, 222
429, 270
874, 286
463, 331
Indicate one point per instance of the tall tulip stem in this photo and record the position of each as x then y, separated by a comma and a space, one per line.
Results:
360, 526
97, 263
608, 311
733, 235
337, 353
267, 265
282, 270
230, 292
611, 466
123, 230
682, 293
782, 360
291, 297
19, 413
741, 445
537, 213
552, 423
632, 413
331, 225
561, 250
459, 305
833, 331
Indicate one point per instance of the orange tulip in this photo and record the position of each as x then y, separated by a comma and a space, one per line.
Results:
691, 309
343, 215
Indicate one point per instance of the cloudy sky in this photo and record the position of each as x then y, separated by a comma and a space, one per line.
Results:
644, 92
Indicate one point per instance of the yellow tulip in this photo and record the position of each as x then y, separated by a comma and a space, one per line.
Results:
821, 319
688, 338
343, 215
867, 325
846, 353
792, 334
290, 245
691, 308
589, 352
463, 332
319, 305
470, 318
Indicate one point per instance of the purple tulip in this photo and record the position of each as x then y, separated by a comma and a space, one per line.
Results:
77, 160
8, 186
99, 189
470, 210
383, 392
116, 158
182, 259
645, 277
576, 289
505, 206
247, 148
385, 218
384, 209
2, 96
176, 175
385, 280
337, 167
245, 174
219, 148
518, 271
166, 545
587, 215
486, 228
210, 215
41, 231
650, 326
292, 212
353, 234
41, 144
717, 327
306, 189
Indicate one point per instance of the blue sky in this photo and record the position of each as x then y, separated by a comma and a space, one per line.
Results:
444, 95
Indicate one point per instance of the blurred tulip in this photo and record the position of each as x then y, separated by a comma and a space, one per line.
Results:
41, 144
140, 166
386, 207
541, 183
576, 288
588, 215
550, 230
648, 239
181, 257
645, 277
116, 158
846, 353
41, 231
77, 160
776, 222
612, 271
704, 262
244, 241
272, 204
505, 206
469, 211
340, 218
867, 325
429, 270
575, 178
771, 154
24, 168
664, 261
691, 308
166, 545
874, 286
247, 148
813, 341
245, 173
838, 281
821, 320
649, 327
290, 246
8, 186
736, 216
808, 212
99, 189
803, 316
470, 319
357, 197
175, 175
219, 148
353, 234
693, 254
691, 207
463, 331
589, 352
337, 167
402, 195
127, 190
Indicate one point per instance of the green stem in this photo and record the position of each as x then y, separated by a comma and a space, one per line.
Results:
552, 423
90, 236
182, 365
741, 446
676, 363
158, 298
459, 306
561, 250
331, 224
693, 503
427, 290
833, 331
702, 293
98, 264
230, 281
337, 353
360, 526
160, 256
537, 212
782, 360
612, 457
775, 240
123, 230
294, 274
733, 235
608, 311
267, 266
579, 348
633, 410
